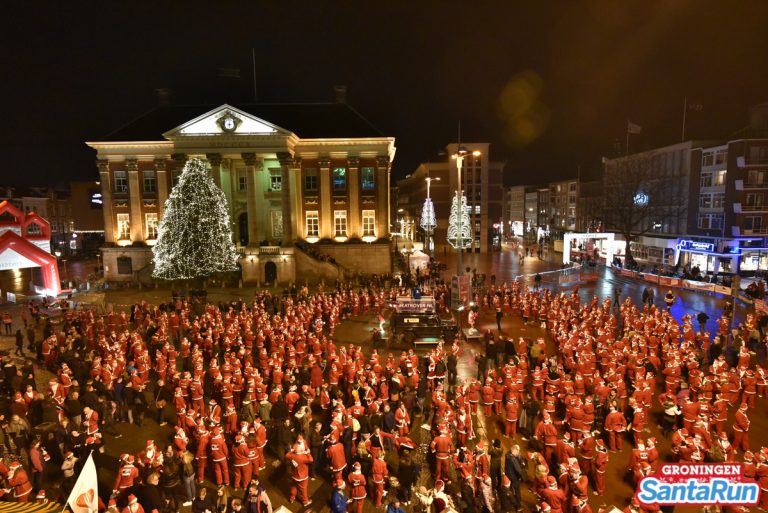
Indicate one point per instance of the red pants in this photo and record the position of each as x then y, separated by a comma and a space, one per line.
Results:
538, 393
510, 428
549, 451
302, 487
461, 439
441, 470
749, 399
599, 482
260, 461
222, 472
741, 440
473, 406
497, 407
357, 505
586, 466
198, 406
615, 441
487, 409
638, 437
201, 460
242, 474
378, 493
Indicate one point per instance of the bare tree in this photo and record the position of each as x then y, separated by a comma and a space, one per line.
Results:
642, 195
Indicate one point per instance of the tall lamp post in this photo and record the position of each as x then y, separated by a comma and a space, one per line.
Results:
459, 229
428, 222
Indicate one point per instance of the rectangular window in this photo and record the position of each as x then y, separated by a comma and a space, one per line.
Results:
721, 156
148, 178
313, 223
754, 200
150, 221
277, 223
123, 226
310, 180
705, 179
708, 159
369, 223
753, 222
339, 223
121, 181
242, 180
339, 179
368, 179
756, 177
705, 201
275, 181
54, 226
719, 177
718, 200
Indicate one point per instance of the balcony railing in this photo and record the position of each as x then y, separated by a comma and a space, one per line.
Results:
269, 250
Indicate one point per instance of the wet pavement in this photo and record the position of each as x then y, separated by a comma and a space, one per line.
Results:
506, 266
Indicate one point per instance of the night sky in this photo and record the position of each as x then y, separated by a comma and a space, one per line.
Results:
550, 84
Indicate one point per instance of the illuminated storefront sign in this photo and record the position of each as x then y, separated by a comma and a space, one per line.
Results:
692, 245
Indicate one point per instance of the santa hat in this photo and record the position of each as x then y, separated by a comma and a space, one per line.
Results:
506, 482
40, 495
545, 507
339, 483
150, 443
132, 499
439, 484
743, 406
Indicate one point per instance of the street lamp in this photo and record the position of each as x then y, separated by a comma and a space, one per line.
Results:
459, 229
428, 222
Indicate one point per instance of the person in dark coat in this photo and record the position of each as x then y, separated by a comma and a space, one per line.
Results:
19, 343
468, 496
149, 494
513, 470
202, 503
406, 473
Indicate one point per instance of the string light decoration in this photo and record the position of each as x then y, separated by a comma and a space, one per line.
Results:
428, 215
459, 227
195, 236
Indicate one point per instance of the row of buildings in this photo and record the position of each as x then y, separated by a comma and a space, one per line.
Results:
696, 204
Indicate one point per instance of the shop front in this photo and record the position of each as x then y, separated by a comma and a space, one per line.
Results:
754, 260
692, 254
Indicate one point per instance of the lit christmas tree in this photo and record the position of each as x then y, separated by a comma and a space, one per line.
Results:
195, 237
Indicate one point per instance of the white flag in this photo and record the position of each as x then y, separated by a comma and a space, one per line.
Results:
633, 128
85, 495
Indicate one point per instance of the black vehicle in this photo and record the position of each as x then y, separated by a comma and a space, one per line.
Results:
417, 328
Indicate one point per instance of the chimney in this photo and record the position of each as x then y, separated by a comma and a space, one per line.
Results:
163, 97
341, 93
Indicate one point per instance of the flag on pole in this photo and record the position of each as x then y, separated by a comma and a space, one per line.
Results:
633, 128
84, 497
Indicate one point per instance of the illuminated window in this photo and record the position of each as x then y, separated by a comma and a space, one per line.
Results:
34, 229
148, 178
368, 179
719, 178
310, 180
150, 221
339, 179
313, 223
339, 223
275, 181
242, 181
121, 181
369, 223
123, 226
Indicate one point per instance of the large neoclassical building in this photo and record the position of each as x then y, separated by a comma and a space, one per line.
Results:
317, 173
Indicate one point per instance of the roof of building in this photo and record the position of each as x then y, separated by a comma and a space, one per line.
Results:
306, 120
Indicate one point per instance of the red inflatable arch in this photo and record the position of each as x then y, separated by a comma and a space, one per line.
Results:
27, 235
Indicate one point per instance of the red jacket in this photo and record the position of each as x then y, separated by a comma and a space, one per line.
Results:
126, 476
357, 486
299, 465
336, 457
379, 472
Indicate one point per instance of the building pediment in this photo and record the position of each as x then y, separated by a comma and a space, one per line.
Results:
226, 120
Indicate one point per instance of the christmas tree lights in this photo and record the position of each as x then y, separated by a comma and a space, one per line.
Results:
195, 235
428, 215
459, 227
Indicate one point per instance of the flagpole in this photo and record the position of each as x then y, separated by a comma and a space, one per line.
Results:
685, 108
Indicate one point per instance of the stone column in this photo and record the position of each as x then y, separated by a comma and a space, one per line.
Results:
326, 201
286, 161
354, 228
250, 173
382, 196
162, 186
134, 194
106, 199
214, 159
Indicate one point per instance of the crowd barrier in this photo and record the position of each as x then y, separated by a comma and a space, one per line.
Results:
700, 286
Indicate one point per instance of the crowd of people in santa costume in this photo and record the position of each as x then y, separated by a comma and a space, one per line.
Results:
243, 383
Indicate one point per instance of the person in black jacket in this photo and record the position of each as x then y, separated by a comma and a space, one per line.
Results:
202, 503
171, 479
468, 496
149, 494
407, 471
513, 470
